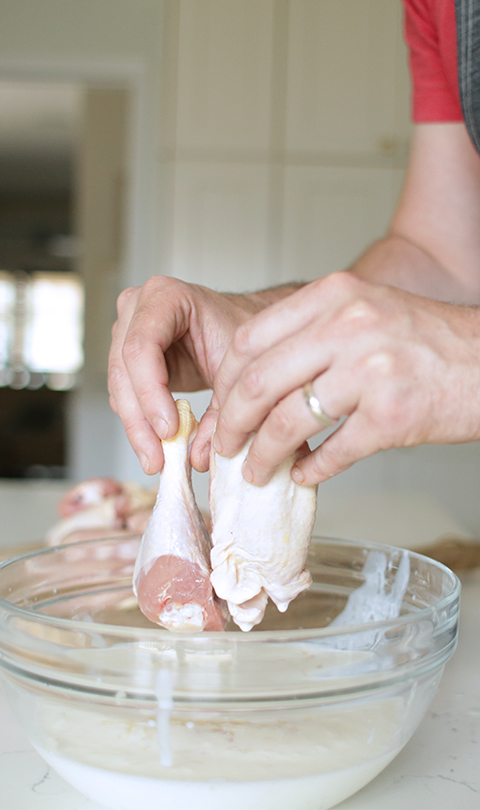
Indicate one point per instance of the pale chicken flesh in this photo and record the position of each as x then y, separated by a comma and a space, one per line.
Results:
172, 572
101, 507
260, 538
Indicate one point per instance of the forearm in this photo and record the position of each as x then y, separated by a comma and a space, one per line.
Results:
400, 263
395, 261
433, 244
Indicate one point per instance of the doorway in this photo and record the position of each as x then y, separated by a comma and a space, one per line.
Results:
41, 290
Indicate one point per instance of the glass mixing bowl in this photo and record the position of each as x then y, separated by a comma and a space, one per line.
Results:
296, 715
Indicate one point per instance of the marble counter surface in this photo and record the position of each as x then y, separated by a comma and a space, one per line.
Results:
439, 769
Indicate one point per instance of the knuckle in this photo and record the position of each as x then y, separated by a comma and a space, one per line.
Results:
230, 426
360, 312
133, 346
152, 284
316, 287
281, 424
116, 375
340, 283
146, 399
333, 459
161, 285
251, 382
315, 468
131, 427
380, 363
124, 297
256, 458
242, 340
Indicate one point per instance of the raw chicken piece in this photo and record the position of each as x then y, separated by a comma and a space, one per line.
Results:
260, 538
101, 507
172, 572
100, 516
134, 503
86, 494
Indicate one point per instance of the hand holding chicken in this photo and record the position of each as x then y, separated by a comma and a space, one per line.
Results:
260, 542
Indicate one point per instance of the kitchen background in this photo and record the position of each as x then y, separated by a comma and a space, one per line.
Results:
234, 143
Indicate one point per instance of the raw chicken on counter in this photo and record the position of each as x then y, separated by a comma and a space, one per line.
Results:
102, 507
172, 573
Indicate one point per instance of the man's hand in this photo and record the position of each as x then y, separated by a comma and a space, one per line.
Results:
404, 370
171, 336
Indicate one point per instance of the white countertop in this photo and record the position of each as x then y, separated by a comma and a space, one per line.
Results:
439, 769
29, 508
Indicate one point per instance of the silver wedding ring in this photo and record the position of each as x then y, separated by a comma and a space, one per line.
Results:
315, 408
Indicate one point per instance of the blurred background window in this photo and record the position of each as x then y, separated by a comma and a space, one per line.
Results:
7, 316
41, 329
53, 326
41, 294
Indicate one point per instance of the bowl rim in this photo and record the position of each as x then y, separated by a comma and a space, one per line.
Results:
157, 633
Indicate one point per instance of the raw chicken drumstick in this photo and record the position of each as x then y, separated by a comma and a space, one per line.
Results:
101, 507
260, 537
172, 572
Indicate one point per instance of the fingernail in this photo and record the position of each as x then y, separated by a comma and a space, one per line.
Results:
298, 475
145, 462
217, 444
247, 473
160, 427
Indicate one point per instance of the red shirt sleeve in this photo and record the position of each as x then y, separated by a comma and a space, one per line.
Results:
431, 36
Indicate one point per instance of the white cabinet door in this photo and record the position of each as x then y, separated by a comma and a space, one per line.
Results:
224, 75
331, 215
342, 76
288, 130
220, 225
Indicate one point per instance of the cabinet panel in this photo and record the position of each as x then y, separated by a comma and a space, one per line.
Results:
224, 74
402, 124
331, 215
341, 78
220, 229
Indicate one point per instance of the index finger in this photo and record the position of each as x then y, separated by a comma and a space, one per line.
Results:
263, 331
159, 320
123, 400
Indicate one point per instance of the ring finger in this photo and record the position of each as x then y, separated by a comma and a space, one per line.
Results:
292, 422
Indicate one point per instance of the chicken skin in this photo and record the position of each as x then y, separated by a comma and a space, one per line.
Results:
260, 538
